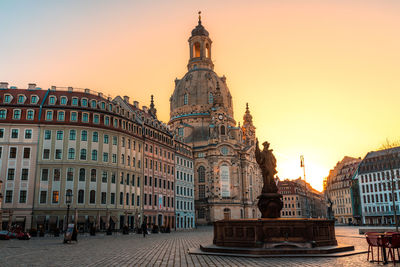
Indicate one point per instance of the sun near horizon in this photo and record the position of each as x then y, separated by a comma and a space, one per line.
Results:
321, 78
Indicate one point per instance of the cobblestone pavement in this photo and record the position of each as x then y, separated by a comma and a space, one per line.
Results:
155, 250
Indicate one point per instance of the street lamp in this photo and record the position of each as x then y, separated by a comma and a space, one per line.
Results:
68, 200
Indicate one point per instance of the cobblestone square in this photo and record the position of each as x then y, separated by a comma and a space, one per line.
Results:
156, 250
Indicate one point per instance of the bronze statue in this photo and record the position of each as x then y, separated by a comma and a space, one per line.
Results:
267, 162
269, 202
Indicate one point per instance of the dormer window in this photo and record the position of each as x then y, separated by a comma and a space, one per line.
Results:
7, 98
110, 107
93, 103
103, 105
63, 100
21, 99
84, 102
52, 100
34, 99
74, 101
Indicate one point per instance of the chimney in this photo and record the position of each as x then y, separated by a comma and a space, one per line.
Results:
87, 91
100, 94
70, 89
144, 108
3, 85
53, 88
109, 98
136, 104
31, 86
126, 99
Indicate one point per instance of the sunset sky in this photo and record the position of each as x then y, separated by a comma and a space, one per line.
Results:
322, 78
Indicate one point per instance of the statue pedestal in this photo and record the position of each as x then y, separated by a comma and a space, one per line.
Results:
275, 237
270, 205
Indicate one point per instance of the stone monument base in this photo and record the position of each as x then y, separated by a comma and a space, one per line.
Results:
283, 236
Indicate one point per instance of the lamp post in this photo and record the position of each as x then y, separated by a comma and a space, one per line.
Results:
68, 200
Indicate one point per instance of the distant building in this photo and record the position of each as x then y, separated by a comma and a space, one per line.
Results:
377, 175
184, 189
300, 200
338, 189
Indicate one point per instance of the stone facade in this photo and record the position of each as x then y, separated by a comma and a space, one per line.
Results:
378, 183
227, 177
184, 190
338, 189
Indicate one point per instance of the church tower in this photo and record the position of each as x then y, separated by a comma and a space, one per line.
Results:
200, 48
226, 176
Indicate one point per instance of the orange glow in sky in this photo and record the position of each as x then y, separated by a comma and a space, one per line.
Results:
321, 77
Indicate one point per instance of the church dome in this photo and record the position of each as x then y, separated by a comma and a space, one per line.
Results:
196, 91
199, 30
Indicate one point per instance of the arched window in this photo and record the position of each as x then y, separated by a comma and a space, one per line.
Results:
210, 98
201, 171
196, 50
222, 130
92, 198
82, 174
208, 51
81, 196
185, 99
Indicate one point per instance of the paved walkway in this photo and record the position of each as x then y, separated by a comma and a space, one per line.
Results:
155, 250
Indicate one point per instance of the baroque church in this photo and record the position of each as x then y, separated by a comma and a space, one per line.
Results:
227, 177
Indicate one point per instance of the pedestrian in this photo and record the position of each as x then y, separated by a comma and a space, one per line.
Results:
144, 229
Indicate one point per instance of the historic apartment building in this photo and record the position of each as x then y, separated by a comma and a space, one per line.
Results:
158, 165
226, 176
300, 200
65, 139
184, 190
338, 189
378, 184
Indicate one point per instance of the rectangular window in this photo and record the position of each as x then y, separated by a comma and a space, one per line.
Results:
72, 135
113, 178
94, 154
45, 174
63, 100
84, 135
49, 115
74, 101
105, 157
22, 196
103, 198
14, 133
105, 139
60, 135
1, 151
202, 191
47, 134
106, 120
57, 174
95, 137
1, 133
10, 174
55, 197
60, 116
43, 197
85, 117
114, 158
13, 153
9, 195
24, 174
46, 153
34, 99
104, 177
58, 154
28, 134
70, 174
115, 141
17, 114
112, 198
96, 118
74, 116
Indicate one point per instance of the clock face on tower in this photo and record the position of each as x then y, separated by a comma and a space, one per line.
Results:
220, 116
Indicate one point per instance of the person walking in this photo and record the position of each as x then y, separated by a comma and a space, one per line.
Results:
144, 229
